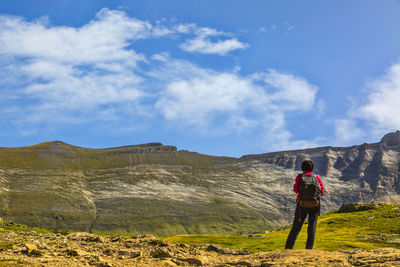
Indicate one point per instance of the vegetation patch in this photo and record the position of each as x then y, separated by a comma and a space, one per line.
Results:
5, 244
367, 228
17, 227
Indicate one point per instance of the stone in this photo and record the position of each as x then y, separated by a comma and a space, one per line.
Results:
95, 239
32, 250
78, 236
266, 264
167, 263
109, 252
116, 239
124, 253
29, 247
160, 253
240, 263
136, 254
76, 252
352, 207
102, 264
215, 249
192, 261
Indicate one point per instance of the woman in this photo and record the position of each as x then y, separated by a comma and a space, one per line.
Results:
302, 210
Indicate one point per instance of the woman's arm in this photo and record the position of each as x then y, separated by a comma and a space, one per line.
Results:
297, 184
322, 186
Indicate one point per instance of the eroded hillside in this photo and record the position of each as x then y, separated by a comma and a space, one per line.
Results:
156, 189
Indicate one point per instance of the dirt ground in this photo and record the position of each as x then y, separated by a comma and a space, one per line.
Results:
83, 249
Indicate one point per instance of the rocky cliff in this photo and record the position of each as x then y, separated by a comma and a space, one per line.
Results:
157, 189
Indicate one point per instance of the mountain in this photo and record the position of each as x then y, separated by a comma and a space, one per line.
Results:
152, 188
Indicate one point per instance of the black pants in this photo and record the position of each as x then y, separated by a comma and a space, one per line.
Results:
299, 217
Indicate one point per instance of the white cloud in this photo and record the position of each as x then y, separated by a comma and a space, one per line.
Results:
92, 72
101, 40
376, 110
383, 101
206, 46
202, 98
215, 102
64, 70
87, 68
346, 131
261, 30
320, 108
290, 91
202, 43
185, 28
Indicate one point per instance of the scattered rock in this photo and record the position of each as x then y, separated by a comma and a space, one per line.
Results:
240, 263
192, 261
78, 236
125, 253
32, 250
160, 253
100, 261
147, 236
215, 248
116, 239
109, 252
71, 251
167, 263
102, 264
136, 254
358, 206
29, 247
76, 252
95, 239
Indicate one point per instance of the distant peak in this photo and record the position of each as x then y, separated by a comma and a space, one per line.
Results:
52, 143
391, 139
59, 143
140, 148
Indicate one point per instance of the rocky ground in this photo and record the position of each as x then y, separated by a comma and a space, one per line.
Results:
83, 249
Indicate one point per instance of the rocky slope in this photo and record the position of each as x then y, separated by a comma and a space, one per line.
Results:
21, 248
156, 189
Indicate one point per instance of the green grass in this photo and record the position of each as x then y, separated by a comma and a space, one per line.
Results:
17, 227
368, 229
5, 244
12, 262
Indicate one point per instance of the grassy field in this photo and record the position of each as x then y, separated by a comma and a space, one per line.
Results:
370, 226
6, 225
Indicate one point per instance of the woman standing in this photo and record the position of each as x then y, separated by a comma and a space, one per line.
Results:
309, 189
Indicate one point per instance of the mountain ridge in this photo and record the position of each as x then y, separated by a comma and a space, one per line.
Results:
152, 188
391, 140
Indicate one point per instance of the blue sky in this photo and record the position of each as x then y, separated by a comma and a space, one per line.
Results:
216, 77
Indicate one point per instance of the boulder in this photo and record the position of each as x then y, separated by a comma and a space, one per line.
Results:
192, 261
77, 252
161, 253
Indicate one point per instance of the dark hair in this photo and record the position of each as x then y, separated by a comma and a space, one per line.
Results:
307, 165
